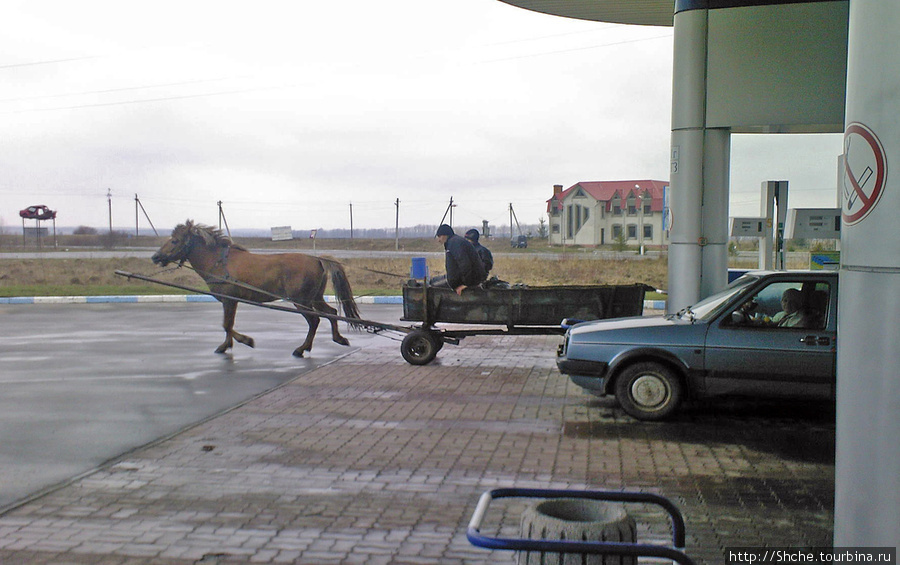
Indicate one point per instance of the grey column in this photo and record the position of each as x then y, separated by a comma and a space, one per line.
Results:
698, 246
867, 493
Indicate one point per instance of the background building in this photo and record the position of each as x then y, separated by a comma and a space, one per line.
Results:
603, 212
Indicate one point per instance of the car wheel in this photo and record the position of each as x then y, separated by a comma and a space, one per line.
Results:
418, 348
648, 391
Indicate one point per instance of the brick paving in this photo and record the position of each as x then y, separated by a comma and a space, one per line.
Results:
371, 460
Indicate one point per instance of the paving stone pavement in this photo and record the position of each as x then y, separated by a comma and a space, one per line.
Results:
371, 460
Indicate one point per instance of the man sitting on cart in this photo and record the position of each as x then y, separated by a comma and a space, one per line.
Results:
464, 267
487, 258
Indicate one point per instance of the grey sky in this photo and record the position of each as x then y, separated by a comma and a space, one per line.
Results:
288, 112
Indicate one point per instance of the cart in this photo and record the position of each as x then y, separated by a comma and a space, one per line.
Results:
500, 311
505, 311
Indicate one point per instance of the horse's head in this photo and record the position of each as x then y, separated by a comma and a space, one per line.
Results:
179, 245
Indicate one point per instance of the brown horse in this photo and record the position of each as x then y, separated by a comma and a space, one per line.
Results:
231, 270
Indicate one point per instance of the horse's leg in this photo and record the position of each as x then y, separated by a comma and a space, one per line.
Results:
335, 334
245, 339
230, 309
313, 322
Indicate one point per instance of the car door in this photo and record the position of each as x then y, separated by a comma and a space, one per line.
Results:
749, 352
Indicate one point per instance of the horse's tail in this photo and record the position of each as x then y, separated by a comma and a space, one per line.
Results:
342, 290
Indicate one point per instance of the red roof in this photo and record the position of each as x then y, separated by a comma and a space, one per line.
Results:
605, 191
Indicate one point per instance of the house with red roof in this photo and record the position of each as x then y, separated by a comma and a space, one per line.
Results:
604, 212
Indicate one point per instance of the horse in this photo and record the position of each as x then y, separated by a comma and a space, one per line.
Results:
230, 269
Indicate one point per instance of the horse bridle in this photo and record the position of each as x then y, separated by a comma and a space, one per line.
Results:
184, 249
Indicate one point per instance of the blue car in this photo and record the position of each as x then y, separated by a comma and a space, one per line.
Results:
768, 334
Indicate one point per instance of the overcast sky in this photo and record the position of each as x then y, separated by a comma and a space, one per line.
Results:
290, 111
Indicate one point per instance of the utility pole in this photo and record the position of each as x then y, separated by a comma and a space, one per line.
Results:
397, 226
351, 220
223, 218
512, 216
109, 205
137, 204
449, 211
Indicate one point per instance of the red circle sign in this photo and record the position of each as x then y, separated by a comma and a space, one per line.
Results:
865, 172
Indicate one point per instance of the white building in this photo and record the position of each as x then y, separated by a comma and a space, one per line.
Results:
602, 212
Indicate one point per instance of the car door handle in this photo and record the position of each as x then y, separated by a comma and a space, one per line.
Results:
815, 340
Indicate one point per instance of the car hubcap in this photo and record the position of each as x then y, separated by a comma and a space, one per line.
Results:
649, 391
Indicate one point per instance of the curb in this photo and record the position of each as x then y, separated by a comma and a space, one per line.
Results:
648, 304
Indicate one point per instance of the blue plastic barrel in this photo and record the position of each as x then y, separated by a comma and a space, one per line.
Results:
419, 268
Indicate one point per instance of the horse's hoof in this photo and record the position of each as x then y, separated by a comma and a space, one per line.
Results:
251, 343
298, 352
342, 341
221, 349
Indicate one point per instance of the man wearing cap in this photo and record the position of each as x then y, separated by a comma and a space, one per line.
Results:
464, 268
487, 258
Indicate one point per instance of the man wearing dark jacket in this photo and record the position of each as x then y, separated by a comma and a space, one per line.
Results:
487, 258
464, 268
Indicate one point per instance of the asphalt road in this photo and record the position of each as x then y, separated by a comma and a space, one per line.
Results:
75, 253
82, 384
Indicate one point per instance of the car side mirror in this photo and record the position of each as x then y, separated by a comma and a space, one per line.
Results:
738, 318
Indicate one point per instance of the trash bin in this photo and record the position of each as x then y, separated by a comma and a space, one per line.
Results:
575, 519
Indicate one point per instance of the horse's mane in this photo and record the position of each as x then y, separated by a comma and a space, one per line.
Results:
211, 237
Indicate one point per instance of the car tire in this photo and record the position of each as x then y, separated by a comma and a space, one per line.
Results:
648, 391
418, 347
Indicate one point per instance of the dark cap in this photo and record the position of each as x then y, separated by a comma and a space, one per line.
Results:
472, 234
444, 230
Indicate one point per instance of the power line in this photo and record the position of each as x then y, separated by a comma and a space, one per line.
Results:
252, 88
542, 37
48, 62
111, 90
667, 36
152, 100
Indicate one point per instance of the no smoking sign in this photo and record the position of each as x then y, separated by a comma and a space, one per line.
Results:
865, 172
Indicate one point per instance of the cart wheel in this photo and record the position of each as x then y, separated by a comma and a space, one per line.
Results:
418, 348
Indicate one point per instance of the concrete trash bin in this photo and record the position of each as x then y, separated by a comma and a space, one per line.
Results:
576, 519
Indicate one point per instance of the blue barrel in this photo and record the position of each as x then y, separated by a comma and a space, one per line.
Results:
419, 268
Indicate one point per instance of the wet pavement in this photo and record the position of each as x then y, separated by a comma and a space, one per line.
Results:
371, 460
83, 383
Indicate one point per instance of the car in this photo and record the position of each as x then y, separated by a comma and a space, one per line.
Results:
520, 242
730, 343
39, 212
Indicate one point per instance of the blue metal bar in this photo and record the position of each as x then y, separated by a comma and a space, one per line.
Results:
579, 547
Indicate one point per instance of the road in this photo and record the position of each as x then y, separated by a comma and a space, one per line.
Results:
145, 253
86, 383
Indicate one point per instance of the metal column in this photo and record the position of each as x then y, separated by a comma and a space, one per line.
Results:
867, 493
698, 237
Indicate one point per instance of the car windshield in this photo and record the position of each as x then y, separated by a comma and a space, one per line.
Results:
709, 306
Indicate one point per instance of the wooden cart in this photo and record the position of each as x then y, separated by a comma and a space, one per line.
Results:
505, 311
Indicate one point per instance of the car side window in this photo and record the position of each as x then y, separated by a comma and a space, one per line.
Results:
784, 304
